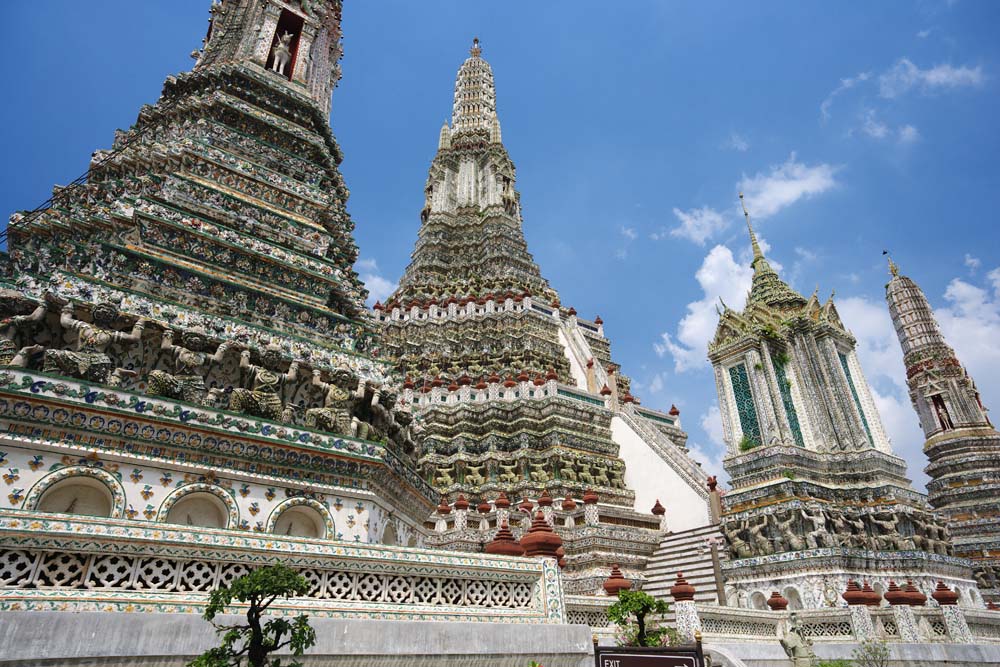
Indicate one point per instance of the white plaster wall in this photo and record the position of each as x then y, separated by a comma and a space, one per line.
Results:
653, 478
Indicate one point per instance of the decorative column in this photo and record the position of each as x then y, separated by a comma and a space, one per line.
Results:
569, 506
954, 620
660, 511
502, 505
483, 508
302, 54
685, 610
590, 514
265, 37
545, 503
461, 513
441, 525
906, 621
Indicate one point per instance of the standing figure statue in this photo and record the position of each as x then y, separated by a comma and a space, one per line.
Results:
90, 361
10, 353
797, 646
738, 546
191, 362
761, 543
785, 524
263, 396
282, 53
884, 530
335, 415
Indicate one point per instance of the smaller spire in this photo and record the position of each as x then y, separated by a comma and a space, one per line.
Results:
475, 51
495, 136
757, 254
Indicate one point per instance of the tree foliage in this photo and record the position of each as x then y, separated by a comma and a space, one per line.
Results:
638, 605
256, 639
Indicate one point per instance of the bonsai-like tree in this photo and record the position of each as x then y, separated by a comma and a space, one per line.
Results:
256, 639
639, 605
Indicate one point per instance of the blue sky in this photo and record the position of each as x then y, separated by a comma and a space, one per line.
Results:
852, 127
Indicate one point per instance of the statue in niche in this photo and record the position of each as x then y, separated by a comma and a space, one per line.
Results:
797, 646
474, 475
90, 361
566, 469
508, 473
617, 478
10, 354
262, 398
817, 537
444, 477
884, 531
785, 525
338, 403
601, 475
282, 53
538, 472
191, 363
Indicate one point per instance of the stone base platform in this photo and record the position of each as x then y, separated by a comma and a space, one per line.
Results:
752, 654
54, 639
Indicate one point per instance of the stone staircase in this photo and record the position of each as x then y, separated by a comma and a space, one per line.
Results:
684, 552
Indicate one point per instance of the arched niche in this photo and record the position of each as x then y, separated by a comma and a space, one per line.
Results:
794, 598
389, 536
758, 601
301, 517
201, 505
78, 490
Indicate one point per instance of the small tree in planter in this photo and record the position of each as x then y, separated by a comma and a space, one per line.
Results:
638, 605
254, 640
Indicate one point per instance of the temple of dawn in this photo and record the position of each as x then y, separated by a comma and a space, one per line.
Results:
191, 385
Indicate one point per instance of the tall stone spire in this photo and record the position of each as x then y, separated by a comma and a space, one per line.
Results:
961, 444
472, 182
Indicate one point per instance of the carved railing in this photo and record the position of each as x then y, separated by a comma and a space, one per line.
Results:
54, 562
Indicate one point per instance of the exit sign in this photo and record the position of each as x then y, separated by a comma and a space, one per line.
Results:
679, 656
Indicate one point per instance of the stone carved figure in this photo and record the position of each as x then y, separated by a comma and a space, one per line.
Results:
508, 474
444, 476
761, 543
336, 414
817, 536
584, 474
859, 533
474, 475
191, 363
10, 354
262, 396
618, 479
884, 531
737, 544
601, 475
538, 472
797, 646
90, 360
566, 469
282, 53
785, 525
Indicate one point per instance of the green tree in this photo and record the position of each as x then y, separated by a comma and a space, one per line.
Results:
639, 605
254, 640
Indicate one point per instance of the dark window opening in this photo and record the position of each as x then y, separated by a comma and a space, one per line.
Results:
290, 23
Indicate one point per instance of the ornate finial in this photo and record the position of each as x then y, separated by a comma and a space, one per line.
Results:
757, 254
475, 50
893, 269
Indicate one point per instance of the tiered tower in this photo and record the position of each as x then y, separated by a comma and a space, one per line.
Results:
962, 445
817, 495
517, 394
186, 340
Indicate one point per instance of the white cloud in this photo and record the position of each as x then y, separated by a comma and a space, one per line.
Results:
873, 127
699, 224
845, 84
738, 143
656, 384
785, 184
908, 134
711, 424
972, 263
719, 276
379, 287
628, 232
924, 34
904, 76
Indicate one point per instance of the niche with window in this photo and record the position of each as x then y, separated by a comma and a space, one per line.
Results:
284, 52
941, 410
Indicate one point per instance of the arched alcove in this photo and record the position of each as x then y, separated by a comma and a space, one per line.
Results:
389, 536
77, 494
199, 508
300, 521
758, 601
794, 598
